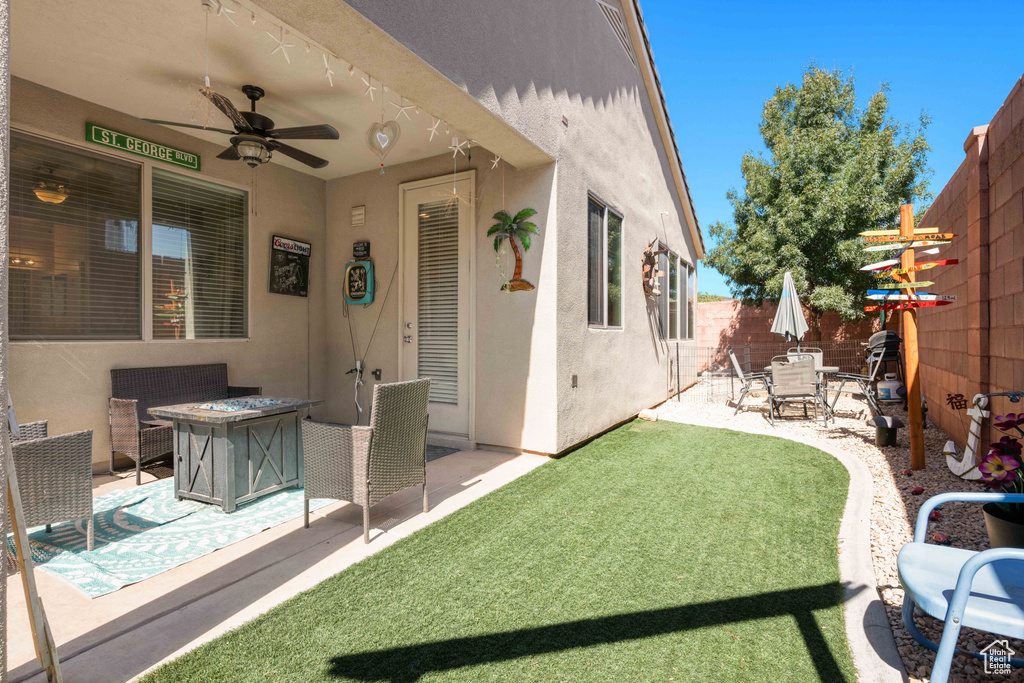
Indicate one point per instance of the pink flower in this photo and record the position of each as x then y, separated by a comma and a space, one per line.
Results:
1005, 446
998, 467
1009, 421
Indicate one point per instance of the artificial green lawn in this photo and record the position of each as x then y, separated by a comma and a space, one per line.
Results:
659, 551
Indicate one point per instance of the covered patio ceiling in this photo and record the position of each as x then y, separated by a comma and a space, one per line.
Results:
148, 59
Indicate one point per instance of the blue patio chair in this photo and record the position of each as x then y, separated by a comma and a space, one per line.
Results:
982, 590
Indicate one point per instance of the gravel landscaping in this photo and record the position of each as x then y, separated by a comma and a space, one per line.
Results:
893, 512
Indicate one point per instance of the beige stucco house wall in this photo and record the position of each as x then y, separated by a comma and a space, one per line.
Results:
569, 108
532, 63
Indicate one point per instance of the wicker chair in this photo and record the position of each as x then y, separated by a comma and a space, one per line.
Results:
137, 434
54, 476
364, 465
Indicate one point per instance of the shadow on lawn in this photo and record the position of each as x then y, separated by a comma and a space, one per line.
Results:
408, 664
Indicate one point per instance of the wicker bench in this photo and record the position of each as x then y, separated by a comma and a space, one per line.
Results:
137, 434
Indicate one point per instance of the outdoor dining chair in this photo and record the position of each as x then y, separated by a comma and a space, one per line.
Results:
794, 380
866, 383
54, 476
982, 590
811, 351
365, 465
748, 380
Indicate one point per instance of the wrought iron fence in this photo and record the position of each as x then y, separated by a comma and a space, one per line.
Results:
704, 374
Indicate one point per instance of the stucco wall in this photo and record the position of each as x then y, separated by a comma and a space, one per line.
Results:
68, 383
569, 63
514, 335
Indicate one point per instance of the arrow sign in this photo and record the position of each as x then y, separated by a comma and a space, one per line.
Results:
917, 231
893, 261
900, 238
906, 305
913, 297
903, 285
924, 265
911, 245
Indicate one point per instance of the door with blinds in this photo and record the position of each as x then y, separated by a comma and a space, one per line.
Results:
436, 296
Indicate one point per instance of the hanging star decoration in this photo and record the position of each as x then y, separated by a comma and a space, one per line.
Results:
433, 129
403, 109
328, 74
223, 11
457, 147
370, 87
281, 46
494, 162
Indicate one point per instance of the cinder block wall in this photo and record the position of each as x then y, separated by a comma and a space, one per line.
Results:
725, 323
977, 344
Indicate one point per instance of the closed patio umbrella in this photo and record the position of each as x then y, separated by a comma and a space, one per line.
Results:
789, 320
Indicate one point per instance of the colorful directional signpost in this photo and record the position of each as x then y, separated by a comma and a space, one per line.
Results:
901, 295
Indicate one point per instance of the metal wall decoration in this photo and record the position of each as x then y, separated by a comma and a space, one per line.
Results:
651, 274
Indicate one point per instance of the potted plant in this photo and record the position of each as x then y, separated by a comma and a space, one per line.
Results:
1001, 471
509, 228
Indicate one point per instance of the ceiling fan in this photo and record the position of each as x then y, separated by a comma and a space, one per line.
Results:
254, 138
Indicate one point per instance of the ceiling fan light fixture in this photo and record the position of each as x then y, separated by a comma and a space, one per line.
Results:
254, 152
51, 193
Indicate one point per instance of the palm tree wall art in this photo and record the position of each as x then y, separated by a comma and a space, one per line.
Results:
513, 229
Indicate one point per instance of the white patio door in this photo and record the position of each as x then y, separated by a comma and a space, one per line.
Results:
437, 239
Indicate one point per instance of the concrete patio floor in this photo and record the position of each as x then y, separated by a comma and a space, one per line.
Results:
117, 637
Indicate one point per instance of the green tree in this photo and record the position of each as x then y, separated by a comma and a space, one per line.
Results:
831, 171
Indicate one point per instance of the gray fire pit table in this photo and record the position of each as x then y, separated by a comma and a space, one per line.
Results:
231, 451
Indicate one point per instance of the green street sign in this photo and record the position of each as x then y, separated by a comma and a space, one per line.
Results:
144, 148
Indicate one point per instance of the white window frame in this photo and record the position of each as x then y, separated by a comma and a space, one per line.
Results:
603, 259
146, 241
682, 331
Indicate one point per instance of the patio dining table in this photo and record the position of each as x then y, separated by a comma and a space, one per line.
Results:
231, 451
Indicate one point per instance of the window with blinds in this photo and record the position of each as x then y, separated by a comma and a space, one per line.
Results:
74, 262
438, 300
199, 259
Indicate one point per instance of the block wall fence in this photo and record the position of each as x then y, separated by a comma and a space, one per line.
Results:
976, 345
728, 322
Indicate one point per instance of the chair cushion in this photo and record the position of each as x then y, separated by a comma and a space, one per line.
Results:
928, 574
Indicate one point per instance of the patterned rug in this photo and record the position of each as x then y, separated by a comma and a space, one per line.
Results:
145, 530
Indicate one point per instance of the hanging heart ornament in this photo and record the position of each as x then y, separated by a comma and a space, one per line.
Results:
382, 137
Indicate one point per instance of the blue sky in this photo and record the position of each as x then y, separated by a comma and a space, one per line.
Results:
719, 61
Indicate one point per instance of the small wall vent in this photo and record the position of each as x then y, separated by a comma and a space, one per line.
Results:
614, 17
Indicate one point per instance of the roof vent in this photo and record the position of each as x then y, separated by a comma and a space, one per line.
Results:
614, 17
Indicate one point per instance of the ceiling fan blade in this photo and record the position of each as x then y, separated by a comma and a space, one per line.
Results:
224, 104
190, 125
320, 132
229, 154
299, 155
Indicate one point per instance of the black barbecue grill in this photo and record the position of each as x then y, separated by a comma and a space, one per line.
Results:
885, 347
